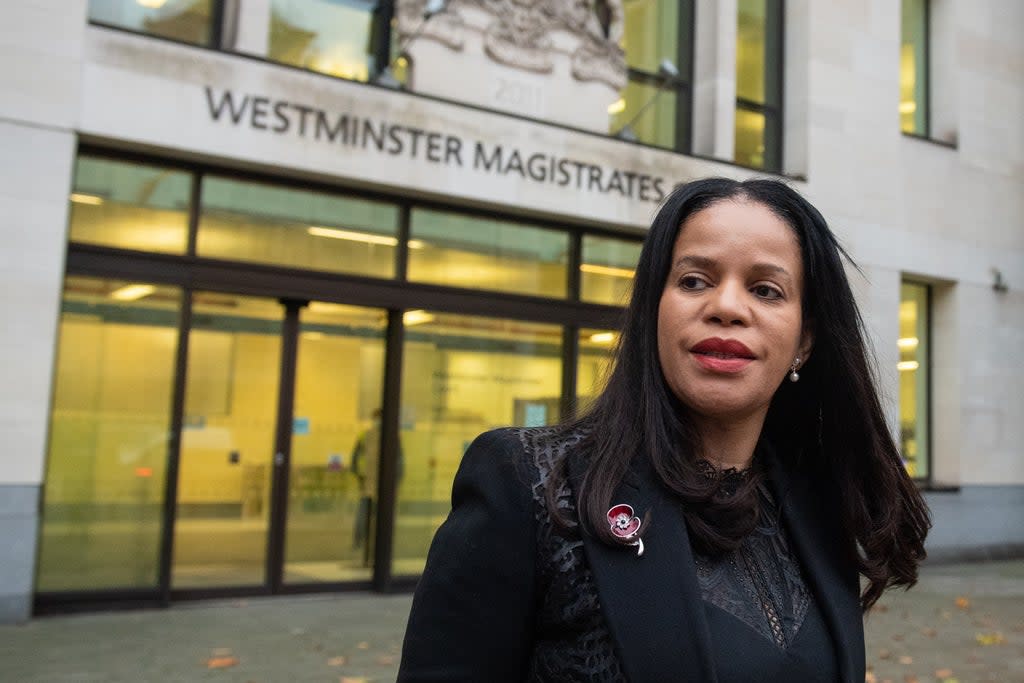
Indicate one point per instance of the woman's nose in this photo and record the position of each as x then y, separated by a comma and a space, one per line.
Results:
728, 305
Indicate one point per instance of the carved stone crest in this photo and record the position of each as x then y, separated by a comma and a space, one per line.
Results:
529, 34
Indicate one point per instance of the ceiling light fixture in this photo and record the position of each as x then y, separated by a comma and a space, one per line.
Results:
83, 198
132, 292
417, 317
595, 269
352, 236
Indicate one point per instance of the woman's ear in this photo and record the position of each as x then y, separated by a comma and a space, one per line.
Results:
806, 344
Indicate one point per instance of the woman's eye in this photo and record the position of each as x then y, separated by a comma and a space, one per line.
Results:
692, 282
766, 292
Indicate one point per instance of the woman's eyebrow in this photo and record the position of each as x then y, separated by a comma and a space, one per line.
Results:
697, 261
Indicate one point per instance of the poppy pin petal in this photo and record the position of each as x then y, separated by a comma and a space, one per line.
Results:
626, 525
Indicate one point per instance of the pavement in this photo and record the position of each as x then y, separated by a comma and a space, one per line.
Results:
962, 624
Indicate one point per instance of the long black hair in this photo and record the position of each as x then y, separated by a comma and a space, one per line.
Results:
832, 418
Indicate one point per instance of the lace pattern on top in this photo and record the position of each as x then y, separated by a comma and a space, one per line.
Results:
760, 582
573, 642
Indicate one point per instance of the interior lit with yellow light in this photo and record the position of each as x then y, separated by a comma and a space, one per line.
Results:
189, 21
913, 377
330, 37
913, 107
461, 375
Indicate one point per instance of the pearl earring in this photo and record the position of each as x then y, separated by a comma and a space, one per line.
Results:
794, 376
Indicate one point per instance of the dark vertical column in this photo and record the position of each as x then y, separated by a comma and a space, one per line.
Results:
570, 333
282, 444
174, 450
390, 445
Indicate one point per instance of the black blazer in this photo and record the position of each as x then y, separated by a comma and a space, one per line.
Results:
493, 596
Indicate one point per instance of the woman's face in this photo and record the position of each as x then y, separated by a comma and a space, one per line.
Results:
729, 321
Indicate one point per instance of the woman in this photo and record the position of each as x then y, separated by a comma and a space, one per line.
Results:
741, 424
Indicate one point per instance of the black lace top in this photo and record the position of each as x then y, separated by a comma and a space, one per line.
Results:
763, 620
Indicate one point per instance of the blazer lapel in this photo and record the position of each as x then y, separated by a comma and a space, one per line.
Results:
817, 542
652, 603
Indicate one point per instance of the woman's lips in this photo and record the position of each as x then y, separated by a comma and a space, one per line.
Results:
722, 355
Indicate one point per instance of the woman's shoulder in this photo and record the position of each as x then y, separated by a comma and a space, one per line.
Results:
540, 447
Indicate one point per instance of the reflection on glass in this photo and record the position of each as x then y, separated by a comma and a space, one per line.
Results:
750, 51
332, 487
331, 37
914, 67
651, 33
102, 517
227, 441
595, 362
186, 20
461, 376
465, 251
750, 139
131, 206
914, 370
657, 124
276, 225
606, 273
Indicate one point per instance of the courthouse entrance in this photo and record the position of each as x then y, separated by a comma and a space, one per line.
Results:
265, 387
278, 395
267, 493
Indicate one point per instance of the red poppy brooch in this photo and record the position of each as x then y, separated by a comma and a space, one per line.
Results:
626, 525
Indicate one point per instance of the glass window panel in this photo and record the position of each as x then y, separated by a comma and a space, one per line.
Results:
606, 273
331, 37
467, 251
461, 376
131, 206
750, 51
227, 441
255, 222
750, 139
654, 122
186, 20
104, 493
593, 366
914, 340
335, 449
651, 34
914, 68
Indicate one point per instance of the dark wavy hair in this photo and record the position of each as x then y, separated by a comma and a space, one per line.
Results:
831, 419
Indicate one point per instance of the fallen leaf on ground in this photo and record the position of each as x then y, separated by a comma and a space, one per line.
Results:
337, 661
906, 659
910, 678
963, 603
880, 608
943, 673
995, 638
885, 654
930, 632
221, 662
869, 677
363, 645
353, 679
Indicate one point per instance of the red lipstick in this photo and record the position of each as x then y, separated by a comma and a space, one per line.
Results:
722, 355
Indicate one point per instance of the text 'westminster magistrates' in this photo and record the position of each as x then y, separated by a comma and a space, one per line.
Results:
282, 117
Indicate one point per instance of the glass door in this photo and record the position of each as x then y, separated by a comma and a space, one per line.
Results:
277, 475
233, 378
334, 445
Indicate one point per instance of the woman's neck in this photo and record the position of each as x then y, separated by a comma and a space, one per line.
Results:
729, 443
